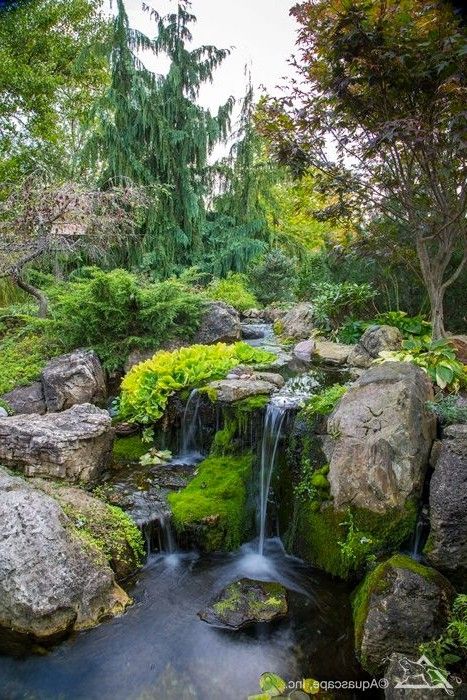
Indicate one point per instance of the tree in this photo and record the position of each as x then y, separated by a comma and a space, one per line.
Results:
384, 81
40, 218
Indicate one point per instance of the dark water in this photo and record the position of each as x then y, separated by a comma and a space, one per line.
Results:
160, 650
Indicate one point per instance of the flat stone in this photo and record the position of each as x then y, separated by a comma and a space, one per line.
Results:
246, 602
230, 390
333, 353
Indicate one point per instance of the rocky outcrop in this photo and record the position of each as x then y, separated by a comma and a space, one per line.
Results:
246, 602
71, 379
374, 340
397, 607
446, 547
74, 444
26, 399
51, 580
333, 353
298, 322
220, 324
381, 435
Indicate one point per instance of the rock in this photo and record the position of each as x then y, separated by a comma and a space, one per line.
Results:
382, 435
220, 324
246, 602
230, 390
298, 322
446, 547
51, 582
3, 412
460, 345
406, 672
374, 340
74, 444
72, 379
399, 605
26, 399
303, 351
135, 357
250, 332
333, 353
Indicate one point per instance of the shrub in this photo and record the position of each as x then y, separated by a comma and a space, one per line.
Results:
451, 648
448, 410
313, 270
22, 358
437, 358
408, 325
336, 301
273, 277
147, 386
234, 291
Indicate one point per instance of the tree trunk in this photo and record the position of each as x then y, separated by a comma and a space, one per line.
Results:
437, 312
41, 299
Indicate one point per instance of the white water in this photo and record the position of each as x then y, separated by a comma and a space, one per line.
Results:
273, 422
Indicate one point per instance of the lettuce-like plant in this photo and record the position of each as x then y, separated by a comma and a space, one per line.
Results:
147, 386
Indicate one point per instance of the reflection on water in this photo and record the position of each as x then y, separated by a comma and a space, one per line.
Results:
160, 650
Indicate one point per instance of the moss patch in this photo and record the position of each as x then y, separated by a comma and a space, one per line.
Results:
213, 507
237, 419
129, 449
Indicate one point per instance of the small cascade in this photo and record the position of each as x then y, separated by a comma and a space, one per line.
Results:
169, 544
191, 429
273, 423
419, 536
158, 535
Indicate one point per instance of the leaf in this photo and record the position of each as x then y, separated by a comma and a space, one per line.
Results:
272, 684
444, 375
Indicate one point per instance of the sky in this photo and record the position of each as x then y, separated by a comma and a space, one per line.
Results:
260, 32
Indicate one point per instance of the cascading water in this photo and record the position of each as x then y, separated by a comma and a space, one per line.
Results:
191, 428
273, 423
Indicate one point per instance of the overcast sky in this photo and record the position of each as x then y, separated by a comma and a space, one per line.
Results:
260, 32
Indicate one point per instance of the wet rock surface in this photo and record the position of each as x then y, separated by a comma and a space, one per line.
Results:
246, 602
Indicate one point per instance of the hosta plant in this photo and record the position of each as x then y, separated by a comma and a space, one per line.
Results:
147, 386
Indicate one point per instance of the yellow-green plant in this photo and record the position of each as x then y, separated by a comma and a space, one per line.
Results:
234, 291
147, 386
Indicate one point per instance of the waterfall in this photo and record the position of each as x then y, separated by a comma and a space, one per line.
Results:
169, 545
190, 425
419, 536
273, 422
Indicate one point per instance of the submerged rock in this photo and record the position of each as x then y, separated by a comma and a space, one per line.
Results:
398, 606
220, 324
26, 399
298, 323
75, 444
446, 547
71, 379
246, 602
51, 580
375, 339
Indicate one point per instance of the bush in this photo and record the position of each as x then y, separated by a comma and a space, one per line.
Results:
352, 330
335, 302
448, 410
112, 312
233, 290
273, 278
147, 386
313, 270
451, 648
22, 358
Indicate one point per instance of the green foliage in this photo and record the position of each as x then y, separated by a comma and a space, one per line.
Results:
22, 358
351, 331
408, 325
323, 404
215, 502
448, 409
129, 449
357, 546
334, 302
313, 270
112, 312
451, 648
147, 386
437, 358
234, 291
272, 278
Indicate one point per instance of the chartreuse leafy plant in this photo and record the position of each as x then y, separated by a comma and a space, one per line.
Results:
437, 358
323, 404
147, 386
234, 291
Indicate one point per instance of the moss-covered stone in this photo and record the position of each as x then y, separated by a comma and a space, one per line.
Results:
237, 419
129, 449
212, 511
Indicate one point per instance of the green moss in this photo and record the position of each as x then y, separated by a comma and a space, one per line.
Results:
213, 506
234, 597
6, 406
341, 543
129, 449
237, 419
377, 582
324, 403
22, 359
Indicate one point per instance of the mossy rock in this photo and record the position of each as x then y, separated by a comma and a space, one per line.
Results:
398, 605
129, 449
246, 602
213, 512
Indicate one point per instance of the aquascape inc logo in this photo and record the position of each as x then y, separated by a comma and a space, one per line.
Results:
423, 674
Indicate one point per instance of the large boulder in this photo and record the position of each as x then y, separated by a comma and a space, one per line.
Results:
51, 580
220, 324
374, 340
74, 444
72, 379
460, 345
26, 399
231, 390
399, 605
298, 322
333, 353
446, 547
382, 436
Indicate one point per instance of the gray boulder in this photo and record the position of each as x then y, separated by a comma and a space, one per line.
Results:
446, 547
220, 324
304, 350
246, 602
381, 435
74, 444
298, 322
333, 353
231, 390
373, 341
72, 379
26, 399
51, 582
397, 607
